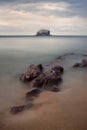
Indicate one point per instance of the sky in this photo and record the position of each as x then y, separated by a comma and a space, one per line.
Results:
26, 17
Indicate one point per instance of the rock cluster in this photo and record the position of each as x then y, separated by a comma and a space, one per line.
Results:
40, 79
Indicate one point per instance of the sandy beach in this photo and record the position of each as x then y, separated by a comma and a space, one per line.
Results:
64, 110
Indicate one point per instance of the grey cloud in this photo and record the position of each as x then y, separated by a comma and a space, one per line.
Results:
74, 9
36, 1
78, 7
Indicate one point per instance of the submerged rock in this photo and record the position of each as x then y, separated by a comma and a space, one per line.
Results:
17, 109
61, 57
21, 108
76, 65
32, 72
43, 32
82, 64
33, 93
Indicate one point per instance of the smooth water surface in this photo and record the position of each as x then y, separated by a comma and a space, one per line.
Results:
17, 53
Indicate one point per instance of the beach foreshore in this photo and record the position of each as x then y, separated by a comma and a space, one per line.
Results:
64, 110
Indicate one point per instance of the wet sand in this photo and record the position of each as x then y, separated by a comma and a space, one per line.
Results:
65, 110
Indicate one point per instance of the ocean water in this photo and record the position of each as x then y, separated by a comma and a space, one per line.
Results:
17, 53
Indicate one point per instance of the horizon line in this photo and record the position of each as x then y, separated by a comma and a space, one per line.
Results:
24, 35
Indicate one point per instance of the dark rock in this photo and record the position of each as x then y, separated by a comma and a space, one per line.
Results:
43, 32
58, 70
76, 65
47, 79
33, 93
82, 64
84, 54
21, 108
23, 78
32, 72
17, 109
60, 57
40, 67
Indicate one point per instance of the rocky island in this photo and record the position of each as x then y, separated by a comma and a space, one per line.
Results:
43, 32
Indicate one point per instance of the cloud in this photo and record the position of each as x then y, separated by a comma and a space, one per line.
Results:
41, 1
71, 7
27, 16
63, 8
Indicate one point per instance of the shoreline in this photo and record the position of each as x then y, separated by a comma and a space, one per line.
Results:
54, 110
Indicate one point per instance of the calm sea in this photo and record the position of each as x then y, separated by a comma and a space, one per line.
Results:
17, 53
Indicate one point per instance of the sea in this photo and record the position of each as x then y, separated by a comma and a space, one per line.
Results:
18, 52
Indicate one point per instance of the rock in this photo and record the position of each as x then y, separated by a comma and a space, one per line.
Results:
23, 78
47, 79
17, 109
76, 65
55, 88
43, 32
60, 58
33, 93
40, 67
58, 70
21, 108
32, 72
84, 54
82, 64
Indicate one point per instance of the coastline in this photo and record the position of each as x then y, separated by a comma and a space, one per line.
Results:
56, 110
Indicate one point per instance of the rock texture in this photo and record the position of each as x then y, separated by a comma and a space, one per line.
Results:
83, 64
58, 70
33, 93
32, 72
20, 108
43, 32
41, 78
47, 80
